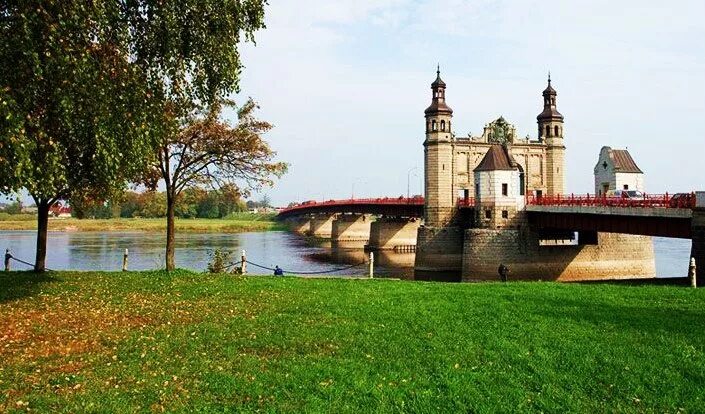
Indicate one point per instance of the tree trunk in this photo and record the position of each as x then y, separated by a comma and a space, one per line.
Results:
170, 207
42, 227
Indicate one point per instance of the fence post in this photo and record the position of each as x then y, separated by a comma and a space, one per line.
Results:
8, 256
243, 262
692, 273
372, 265
124, 260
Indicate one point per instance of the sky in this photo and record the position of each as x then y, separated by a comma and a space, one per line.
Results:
346, 82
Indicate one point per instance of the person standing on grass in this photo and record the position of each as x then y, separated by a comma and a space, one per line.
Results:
503, 272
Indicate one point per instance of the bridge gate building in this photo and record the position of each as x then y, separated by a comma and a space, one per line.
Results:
498, 171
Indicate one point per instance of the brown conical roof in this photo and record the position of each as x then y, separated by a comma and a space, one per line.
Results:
438, 82
497, 158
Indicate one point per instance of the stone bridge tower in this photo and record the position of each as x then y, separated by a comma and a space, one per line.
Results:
438, 157
550, 123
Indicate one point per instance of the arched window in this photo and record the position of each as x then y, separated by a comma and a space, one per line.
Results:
555, 130
443, 125
433, 125
548, 131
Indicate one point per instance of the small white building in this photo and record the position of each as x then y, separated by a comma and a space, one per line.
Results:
616, 170
499, 188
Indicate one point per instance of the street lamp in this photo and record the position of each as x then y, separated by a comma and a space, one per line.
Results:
408, 177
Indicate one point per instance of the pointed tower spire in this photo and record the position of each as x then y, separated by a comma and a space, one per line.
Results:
438, 98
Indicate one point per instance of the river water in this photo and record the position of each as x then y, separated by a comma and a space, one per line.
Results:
104, 251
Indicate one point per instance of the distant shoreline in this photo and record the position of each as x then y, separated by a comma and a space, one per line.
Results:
150, 225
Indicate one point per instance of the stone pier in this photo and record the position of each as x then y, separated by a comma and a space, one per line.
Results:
350, 231
698, 237
322, 226
299, 225
391, 233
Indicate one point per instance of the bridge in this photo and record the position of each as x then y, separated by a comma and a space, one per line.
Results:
348, 222
660, 215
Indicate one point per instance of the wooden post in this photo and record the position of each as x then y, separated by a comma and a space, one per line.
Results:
124, 260
692, 273
7, 260
372, 265
243, 263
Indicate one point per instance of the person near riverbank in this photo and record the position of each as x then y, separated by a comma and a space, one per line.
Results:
278, 271
503, 272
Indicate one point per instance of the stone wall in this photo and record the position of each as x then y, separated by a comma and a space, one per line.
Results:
439, 253
387, 233
616, 256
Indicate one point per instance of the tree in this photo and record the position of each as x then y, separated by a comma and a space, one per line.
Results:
265, 201
75, 113
211, 152
189, 51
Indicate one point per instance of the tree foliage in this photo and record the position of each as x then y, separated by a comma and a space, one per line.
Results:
76, 112
210, 152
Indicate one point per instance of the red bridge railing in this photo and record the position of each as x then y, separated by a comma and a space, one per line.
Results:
391, 201
680, 200
414, 201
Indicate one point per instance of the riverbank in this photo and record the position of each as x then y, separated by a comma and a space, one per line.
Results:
117, 342
238, 224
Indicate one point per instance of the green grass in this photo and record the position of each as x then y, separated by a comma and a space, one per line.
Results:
239, 223
185, 342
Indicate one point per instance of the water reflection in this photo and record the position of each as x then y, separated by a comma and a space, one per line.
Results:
103, 251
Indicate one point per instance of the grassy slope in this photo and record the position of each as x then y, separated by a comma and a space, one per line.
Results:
237, 224
112, 342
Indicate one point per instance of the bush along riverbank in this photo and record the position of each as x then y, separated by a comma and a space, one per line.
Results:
184, 342
236, 223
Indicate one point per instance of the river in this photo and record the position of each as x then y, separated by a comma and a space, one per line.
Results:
104, 251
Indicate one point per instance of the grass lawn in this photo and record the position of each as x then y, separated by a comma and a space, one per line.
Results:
186, 342
237, 224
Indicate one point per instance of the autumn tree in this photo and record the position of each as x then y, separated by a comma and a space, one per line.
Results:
189, 51
75, 113
209, 151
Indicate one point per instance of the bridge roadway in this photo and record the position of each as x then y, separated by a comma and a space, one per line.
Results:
653, 215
